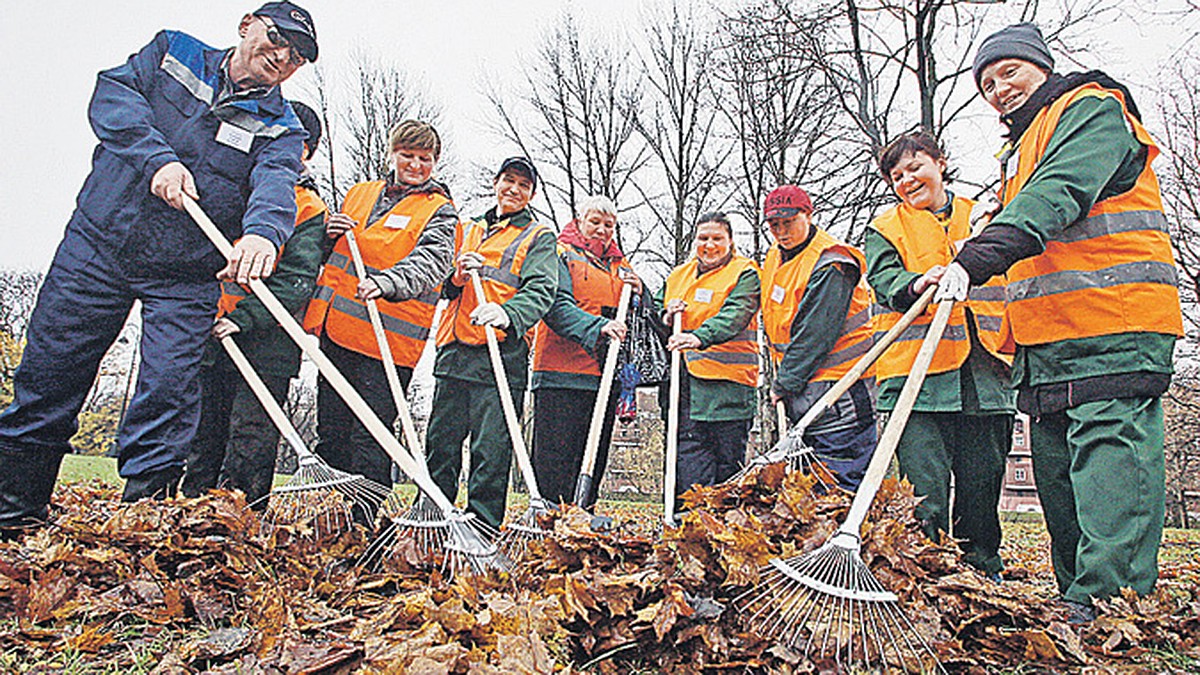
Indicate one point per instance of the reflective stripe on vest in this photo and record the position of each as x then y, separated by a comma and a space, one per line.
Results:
308, 206
923, 240
335, 311
503, 254
735, 360
1110, 272
595, 285
783, 287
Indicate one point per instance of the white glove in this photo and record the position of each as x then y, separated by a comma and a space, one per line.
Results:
469, 261
490, 314
982, 212
954, 284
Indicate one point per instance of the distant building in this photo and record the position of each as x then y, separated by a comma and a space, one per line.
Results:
1019, 492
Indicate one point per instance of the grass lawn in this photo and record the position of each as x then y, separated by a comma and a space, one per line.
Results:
79, 468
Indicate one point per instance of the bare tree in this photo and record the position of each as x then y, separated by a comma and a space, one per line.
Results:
1179, 108
358, 110
680, 124
776, 104
580, 93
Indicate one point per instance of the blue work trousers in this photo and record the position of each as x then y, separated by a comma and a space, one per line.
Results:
80, 311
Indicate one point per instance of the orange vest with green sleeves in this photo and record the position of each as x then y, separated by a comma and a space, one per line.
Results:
308, 206
1109, 272
784, 286
705, 294
923, 241
594, 288
503, 255
335, 311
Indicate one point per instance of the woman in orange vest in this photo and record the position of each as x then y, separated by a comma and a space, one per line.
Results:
568, 347
514, 256
1094, 307
717, 292
817, 322
961, 424
404, 226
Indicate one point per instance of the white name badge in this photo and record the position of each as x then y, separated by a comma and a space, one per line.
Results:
1010, 167
703, 295
234, 137
397, 221
777, 293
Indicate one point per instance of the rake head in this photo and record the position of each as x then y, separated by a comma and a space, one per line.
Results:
330, 499
424, 536
799, 457
516, 536
827, 604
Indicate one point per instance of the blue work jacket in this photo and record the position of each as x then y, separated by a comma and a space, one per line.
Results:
158, 107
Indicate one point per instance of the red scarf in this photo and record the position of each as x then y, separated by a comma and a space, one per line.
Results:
607, 252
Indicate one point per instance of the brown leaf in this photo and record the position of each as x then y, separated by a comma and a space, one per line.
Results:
91, 640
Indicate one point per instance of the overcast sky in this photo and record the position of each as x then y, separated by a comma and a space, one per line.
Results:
52, 50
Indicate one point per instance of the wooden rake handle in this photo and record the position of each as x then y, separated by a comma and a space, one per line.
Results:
506, 401
269, 404
378, 430
672, 452
846, 381
583, 485
403, 412
890, 438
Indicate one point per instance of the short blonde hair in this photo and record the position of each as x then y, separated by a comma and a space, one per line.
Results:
417, 135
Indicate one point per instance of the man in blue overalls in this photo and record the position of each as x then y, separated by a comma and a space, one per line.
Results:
178, 118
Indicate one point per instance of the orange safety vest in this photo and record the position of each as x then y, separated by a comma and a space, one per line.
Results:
334, 309
784, 286
308, 206
503, 253
705, 294
923, 241
1109, 272
594, 288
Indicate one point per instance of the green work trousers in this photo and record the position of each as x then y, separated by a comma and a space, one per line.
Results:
972, 448
461, 408
1101, 479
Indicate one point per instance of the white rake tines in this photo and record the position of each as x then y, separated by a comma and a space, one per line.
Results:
827, 604
799, 458
330, 499
455, 544
516, 536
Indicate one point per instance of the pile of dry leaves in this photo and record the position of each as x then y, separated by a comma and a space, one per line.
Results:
209, 593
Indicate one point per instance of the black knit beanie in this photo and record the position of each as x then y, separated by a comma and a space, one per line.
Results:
1019, 41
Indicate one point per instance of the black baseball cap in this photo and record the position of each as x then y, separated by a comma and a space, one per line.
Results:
295, 23
521, 165
311, 123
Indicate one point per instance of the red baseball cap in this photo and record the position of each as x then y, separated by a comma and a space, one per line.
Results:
786, 201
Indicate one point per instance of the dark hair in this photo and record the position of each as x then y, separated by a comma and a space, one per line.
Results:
716, 217
911, 143
311, 123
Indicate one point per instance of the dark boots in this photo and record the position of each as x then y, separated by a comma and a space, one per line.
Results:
26, 481
154, 485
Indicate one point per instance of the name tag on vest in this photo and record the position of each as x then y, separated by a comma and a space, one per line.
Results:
777, 293
1011, 164
397, 221
234, 137
703, 295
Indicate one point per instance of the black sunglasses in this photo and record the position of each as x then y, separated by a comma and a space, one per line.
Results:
278, 40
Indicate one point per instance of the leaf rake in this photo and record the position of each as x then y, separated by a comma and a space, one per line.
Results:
468, 546
328, 498
791, 447
827, 602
